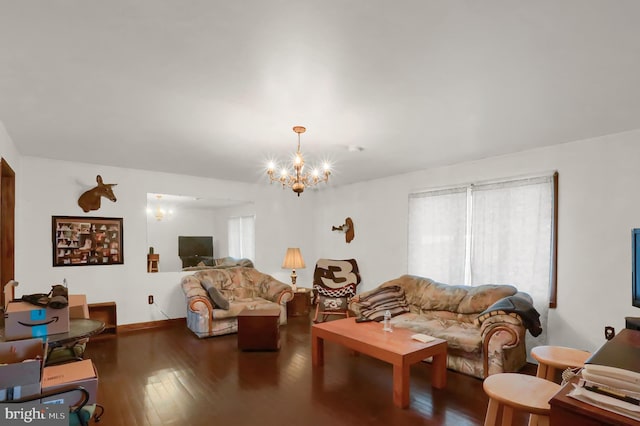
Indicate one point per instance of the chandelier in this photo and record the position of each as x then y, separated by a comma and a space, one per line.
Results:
160, 212
298, 180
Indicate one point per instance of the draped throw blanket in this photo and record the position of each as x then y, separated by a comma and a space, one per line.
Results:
391, 299
514, 305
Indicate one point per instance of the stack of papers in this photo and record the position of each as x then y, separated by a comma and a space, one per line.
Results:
610, 388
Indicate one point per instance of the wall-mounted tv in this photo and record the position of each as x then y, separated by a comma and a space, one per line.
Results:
635, 267
193, 249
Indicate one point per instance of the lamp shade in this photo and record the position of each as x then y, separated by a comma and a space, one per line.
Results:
293, 259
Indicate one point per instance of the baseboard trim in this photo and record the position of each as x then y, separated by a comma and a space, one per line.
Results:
126, 328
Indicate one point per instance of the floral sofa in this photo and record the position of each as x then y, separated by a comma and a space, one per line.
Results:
215, 297
481, 340
220, 263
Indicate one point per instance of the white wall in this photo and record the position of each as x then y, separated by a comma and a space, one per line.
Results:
49, 187
598, 206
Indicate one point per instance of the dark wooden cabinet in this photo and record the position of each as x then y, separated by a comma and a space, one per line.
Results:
259, 329
105, 312
300, 303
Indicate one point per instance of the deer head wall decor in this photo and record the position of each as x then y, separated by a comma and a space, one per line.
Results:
90, 200
347, 228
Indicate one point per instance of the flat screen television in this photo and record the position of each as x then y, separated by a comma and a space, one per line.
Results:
635, 267
195, 246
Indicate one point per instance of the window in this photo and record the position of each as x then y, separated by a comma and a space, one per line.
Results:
241, 233
490, 233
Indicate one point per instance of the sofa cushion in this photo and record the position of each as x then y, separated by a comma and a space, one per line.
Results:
481, 297
428, 294
463, 337
238, 305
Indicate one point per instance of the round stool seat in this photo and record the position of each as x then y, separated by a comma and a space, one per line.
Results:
552, 357
521, 391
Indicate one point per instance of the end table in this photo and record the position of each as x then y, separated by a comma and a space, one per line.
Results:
300, 304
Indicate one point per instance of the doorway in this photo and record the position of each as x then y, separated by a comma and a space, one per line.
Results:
7, 225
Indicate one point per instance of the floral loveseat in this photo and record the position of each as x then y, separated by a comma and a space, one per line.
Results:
220, 263
210, 291
481, 340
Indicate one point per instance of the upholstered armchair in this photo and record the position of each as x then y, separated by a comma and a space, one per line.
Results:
215, 297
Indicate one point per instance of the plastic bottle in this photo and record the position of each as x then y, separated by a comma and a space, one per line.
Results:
387, 321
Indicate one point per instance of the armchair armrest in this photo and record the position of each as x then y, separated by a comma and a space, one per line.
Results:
203, 306
499, 332
271, 289
355, 306
278, 292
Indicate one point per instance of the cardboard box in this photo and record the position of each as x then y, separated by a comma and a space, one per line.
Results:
80, 373
78, 307
23, 320
20, 367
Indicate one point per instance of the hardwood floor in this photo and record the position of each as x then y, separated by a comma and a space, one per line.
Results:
167, 376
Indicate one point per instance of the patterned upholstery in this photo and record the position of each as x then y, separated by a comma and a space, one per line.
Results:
335, 282
242, 287
478, 345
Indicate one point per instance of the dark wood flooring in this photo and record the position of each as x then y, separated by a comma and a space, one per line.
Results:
167, 376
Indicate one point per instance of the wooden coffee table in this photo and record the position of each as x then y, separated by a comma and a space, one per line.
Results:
396, 348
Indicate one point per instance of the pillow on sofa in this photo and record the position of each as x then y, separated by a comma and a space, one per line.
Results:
214, 294
376, 303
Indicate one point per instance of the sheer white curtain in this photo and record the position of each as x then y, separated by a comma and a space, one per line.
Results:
241, 237
511, 229
498, 233
437, 232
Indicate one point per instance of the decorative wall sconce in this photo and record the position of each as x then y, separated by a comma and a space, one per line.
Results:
347, 228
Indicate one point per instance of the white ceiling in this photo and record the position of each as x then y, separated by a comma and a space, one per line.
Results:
213, 88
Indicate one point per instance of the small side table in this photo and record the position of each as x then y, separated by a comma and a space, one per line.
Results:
259, 329
300, 304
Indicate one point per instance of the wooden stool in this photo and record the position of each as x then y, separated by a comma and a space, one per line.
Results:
513, 391
152, 262
552, 357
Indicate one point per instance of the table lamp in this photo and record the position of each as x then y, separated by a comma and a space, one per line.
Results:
293, 260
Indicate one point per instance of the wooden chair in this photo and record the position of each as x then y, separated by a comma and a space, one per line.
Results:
334, 284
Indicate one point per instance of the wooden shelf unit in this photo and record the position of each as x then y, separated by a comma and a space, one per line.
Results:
105, 312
